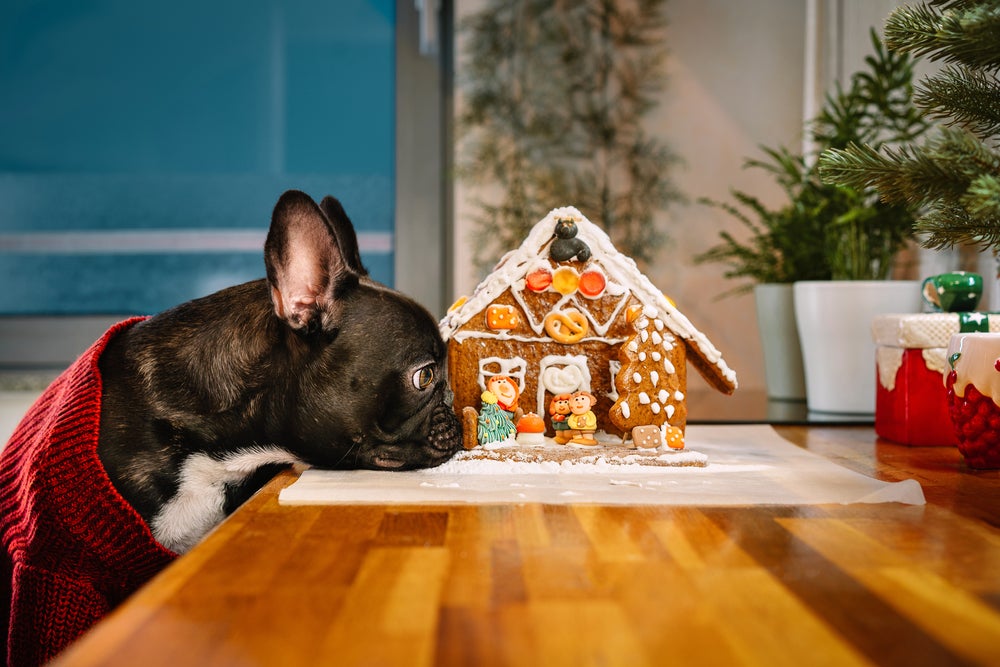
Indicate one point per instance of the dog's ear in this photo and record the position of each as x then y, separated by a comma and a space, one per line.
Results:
306, 267
343, 230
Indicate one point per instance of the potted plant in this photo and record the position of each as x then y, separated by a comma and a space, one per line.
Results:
785, 245
952, 177
835, 244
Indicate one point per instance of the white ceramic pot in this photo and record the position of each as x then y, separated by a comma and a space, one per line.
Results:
834, 320
779, 338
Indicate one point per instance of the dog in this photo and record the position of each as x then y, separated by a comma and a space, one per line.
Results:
200, 405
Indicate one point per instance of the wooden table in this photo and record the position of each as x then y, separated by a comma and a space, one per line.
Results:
574, 585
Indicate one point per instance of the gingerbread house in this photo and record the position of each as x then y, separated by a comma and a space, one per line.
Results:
566, 312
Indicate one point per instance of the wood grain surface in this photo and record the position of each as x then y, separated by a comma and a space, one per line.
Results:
883, 584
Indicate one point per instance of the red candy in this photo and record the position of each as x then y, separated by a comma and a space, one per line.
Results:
539, 280
592, 284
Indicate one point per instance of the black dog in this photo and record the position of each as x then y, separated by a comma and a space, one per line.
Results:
191, 411
317, 364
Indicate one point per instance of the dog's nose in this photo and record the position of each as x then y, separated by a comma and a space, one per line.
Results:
445, 430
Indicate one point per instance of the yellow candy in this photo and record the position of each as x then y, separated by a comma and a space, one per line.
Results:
565, 280
458, 304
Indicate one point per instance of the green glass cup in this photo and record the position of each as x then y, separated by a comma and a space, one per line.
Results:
954, 292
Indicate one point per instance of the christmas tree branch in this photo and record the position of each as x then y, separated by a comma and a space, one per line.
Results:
959, 32
966, 96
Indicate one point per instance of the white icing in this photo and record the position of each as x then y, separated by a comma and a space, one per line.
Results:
626, 410
615, 366
656, 356
668, 367
636, 377
670, 411
888, 360
644, 398
679, 395
514, 367
936, 359
654, 377
655, 407
657, 338
642, 356
664, 396
561, 374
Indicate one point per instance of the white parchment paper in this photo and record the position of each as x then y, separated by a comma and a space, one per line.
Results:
747, 465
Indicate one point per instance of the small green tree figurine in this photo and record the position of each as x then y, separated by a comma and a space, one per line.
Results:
554, 99
953, 178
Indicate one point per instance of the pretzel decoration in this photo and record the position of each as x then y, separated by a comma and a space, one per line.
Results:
566, 326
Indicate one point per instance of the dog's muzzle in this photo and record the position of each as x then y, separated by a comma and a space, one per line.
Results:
443, 438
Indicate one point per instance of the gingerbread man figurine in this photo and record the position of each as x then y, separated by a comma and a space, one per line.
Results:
507, 393
583, 421
559, 412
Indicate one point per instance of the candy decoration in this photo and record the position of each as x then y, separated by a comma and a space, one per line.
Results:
566, 326
647, 437
566, 246
674, 436
530, 423
565, 280
502, 317
592, 283
539, 280
531, 430
494, 424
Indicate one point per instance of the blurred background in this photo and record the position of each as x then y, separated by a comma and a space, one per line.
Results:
143, 145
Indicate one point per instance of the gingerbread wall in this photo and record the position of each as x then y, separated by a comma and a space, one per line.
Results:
465, 353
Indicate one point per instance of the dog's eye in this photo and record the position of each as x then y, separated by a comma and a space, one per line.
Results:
424, 377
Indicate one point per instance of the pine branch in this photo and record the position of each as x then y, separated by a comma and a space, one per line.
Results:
949, 225
962, 32
982, 199
910, 175
968, 97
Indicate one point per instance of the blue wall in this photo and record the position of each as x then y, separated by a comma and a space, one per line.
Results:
126, 125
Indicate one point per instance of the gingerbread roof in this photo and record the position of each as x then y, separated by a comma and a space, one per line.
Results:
623, 274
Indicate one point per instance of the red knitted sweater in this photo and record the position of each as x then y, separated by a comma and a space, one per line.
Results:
74, 548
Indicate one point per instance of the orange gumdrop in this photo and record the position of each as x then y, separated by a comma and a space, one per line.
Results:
530, 423
674, 437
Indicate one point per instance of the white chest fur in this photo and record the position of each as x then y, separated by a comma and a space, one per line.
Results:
198, 505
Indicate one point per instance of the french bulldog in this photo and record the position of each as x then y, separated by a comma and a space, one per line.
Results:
317, 364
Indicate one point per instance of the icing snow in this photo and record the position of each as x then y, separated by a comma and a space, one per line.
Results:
475, 462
